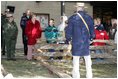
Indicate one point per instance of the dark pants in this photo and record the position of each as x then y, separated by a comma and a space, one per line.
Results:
3, 46
24, 38
98, 51
10, 47
2, 42
52, 50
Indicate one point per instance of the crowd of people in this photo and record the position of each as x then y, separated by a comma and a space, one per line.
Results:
79, 30
31, 32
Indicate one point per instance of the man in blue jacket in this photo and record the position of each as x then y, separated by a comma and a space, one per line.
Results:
26, 16
80, 33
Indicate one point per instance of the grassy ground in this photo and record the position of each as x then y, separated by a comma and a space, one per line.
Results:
105, 71
99, 70
24, 68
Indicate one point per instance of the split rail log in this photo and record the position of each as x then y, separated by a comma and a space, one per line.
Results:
64, 50
110, 42
3, 71
93, 55
59, 72
110, 45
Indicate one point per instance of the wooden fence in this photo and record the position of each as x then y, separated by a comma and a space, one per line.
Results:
64, 50
44, 51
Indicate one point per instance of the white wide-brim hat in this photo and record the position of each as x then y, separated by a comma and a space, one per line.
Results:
80, 4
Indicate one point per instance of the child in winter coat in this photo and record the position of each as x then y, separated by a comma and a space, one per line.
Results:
100, 34
51, 34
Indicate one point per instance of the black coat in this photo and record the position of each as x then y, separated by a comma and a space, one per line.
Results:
24, 20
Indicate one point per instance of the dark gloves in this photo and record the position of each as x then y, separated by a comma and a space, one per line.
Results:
91, 41
55, 30
66, 42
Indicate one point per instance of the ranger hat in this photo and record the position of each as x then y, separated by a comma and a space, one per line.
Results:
9, 15
7, 10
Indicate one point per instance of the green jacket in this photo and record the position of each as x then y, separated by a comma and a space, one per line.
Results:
10, 31
3, 20
51, 33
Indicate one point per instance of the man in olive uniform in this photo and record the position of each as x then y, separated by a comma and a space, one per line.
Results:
3, 21
10, 34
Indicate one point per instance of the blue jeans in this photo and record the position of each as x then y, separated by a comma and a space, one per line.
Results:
98, 51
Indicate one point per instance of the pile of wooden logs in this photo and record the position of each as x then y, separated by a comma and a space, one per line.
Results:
47, 50
44, 51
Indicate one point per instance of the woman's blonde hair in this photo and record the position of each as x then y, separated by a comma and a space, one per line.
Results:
32, 14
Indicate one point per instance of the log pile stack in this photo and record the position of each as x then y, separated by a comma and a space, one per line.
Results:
44, 51
47, 50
